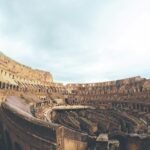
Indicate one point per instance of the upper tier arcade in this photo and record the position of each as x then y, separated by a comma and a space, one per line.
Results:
12, 71
130, 89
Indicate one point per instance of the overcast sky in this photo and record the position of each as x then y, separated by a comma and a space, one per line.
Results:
78, 40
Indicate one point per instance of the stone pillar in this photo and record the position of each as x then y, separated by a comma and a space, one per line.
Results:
121, 105
5, 86
135, 106
113, 145
102, 142
142, 107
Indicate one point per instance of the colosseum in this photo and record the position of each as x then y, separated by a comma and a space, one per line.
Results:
37, 113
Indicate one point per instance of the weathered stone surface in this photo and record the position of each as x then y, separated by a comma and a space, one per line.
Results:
51, 115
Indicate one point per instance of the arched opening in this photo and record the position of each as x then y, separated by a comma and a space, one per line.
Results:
3, 85
66, 101
17, 88
17, 146
8, 142
10, 86
7, 86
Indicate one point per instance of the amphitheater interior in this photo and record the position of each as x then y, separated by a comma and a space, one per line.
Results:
37, 113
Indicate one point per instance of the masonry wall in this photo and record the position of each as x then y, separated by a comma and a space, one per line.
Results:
74, 140
25, 133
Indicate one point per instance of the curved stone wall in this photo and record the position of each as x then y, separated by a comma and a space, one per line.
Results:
132, 89
12, 72
26, 130
27, 97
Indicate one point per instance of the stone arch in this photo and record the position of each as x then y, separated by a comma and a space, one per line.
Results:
2, 85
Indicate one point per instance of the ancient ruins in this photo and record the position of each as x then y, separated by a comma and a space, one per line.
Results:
37, 113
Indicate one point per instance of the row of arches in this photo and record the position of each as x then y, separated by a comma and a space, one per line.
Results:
12, 76
37, 89
4, 85
134, 106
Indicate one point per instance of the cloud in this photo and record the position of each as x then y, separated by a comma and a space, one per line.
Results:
78, 41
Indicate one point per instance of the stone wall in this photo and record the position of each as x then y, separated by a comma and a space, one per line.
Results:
32, 133
37, 88
26, 131
11, 71
132, 89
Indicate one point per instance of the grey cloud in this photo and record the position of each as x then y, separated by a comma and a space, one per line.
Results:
75, 40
